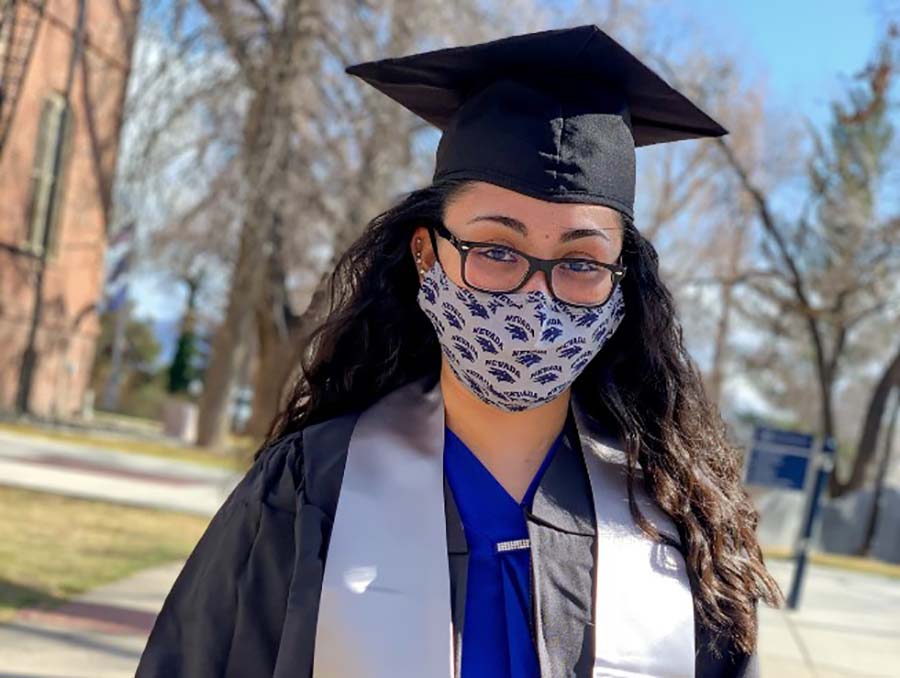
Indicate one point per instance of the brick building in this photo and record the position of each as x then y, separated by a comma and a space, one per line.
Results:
61, 98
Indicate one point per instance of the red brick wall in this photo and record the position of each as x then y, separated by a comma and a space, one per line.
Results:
74, 274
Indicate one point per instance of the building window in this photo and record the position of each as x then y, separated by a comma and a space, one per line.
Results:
48, 173
19, 25
7, 11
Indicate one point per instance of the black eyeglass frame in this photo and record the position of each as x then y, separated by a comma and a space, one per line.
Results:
534, 263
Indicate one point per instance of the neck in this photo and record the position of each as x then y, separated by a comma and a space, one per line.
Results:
511, 445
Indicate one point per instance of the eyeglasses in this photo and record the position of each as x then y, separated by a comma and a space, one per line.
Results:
491, 267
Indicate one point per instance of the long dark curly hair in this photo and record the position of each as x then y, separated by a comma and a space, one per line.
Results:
375, 338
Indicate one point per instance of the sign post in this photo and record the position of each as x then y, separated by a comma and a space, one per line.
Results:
784, 460
825, 464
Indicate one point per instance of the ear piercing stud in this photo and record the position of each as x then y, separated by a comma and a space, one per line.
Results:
419, 259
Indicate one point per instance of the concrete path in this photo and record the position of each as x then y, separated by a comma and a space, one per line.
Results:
99, 635
848, 626
77, 470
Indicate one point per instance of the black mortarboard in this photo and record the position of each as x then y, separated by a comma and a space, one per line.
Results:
555, 114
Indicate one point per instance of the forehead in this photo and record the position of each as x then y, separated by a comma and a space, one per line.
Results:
541, 216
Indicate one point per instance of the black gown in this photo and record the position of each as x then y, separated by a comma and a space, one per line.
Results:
246, 602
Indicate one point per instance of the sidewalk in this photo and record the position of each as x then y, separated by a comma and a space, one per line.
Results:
77, 470
848, 626
98, 635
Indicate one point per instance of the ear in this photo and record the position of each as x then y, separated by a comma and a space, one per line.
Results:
422, 250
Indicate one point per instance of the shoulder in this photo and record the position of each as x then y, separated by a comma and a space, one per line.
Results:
307, 465
236, 585
232, 579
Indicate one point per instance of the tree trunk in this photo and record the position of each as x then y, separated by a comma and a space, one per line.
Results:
231, 340
868, 437
277, 360
230, 345
716, 375
883, 467
723, 326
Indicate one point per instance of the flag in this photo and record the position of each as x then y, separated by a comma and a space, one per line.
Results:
120, 267
124, 234
116, 299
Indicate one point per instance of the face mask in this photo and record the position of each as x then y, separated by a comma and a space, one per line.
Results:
516, 350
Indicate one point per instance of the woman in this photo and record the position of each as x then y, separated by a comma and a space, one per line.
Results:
499, 460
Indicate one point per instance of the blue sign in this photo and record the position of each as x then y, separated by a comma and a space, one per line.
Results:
779, 458
774, 436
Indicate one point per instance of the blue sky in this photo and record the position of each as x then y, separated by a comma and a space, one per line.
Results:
806, 49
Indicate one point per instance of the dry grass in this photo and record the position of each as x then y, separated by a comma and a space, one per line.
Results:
854, 563
53, 547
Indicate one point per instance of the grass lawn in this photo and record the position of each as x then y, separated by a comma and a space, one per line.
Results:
236, 459
53, 547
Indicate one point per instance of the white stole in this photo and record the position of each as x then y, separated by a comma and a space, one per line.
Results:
384, 610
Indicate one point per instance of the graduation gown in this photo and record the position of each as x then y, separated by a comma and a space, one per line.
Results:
246, 603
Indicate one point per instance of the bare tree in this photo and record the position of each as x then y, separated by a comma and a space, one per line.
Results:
296, 157
317, 154
838, 261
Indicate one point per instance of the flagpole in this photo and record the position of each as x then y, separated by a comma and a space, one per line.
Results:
114, 382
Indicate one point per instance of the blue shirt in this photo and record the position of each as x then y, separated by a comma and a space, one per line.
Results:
497, 634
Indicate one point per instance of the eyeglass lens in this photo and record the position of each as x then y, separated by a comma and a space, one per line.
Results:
498, 269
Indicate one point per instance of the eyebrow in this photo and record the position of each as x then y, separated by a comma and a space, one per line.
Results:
519, 227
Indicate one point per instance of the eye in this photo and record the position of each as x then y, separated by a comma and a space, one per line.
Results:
498, 254
580, 265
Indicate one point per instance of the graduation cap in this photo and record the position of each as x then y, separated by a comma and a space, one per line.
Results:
554, 114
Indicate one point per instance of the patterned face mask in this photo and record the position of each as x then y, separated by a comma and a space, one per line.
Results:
516, 350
